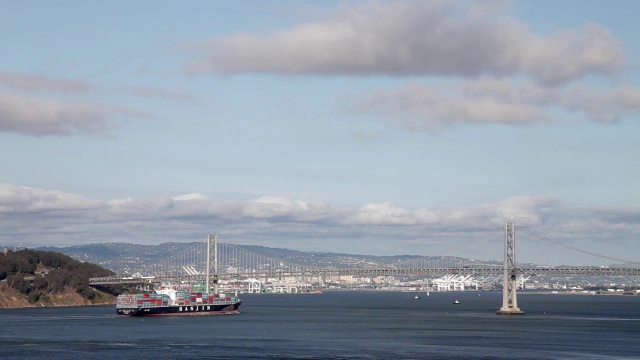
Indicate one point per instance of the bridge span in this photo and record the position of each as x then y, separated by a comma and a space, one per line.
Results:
536, 271
194, 266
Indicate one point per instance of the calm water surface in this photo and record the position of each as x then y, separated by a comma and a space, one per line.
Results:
339, 325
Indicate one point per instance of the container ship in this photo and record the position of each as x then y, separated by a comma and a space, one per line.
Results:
168, 302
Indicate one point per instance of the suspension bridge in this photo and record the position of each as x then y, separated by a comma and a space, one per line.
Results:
211, 261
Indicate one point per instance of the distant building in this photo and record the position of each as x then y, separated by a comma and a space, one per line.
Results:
347, 278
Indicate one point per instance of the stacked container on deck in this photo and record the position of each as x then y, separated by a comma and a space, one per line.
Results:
199, 298
142, 300
182, 298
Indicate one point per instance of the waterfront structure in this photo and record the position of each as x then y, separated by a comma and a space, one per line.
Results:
278, 275
509, 293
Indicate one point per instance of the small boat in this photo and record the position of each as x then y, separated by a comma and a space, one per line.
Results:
417, 297
456, 302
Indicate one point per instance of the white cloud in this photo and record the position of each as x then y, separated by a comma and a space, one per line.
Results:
154, 92
24, 113
47, 116
274, 207
382, 214
23, 199
429, 107
571, 54
628, 97
525, 210
38, 217
416, 38
607, 220
601, 105
191, 196
28, 82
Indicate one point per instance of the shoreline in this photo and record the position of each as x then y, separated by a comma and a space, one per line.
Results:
522, 292
53, 306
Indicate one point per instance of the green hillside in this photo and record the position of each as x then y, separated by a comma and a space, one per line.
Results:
46, 278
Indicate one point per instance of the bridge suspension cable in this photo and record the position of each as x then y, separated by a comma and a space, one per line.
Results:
423, 261
569, 247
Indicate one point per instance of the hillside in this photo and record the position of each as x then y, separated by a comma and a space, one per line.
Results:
46, 278
132, 258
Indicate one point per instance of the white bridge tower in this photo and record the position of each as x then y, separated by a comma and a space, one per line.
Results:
212, 239
509, 296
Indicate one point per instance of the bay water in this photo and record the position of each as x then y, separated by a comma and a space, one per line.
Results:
339, 325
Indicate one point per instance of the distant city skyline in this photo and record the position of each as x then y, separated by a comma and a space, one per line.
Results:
363, 127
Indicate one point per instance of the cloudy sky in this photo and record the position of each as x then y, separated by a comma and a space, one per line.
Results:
372, 127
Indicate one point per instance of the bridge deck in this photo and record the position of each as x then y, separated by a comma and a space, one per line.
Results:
594, 271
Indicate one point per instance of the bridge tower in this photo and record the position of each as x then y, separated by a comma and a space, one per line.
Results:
509, 296
212, 239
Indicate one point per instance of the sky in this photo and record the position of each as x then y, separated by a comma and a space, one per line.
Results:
367, 127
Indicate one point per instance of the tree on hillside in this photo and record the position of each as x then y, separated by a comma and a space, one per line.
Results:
64, 271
